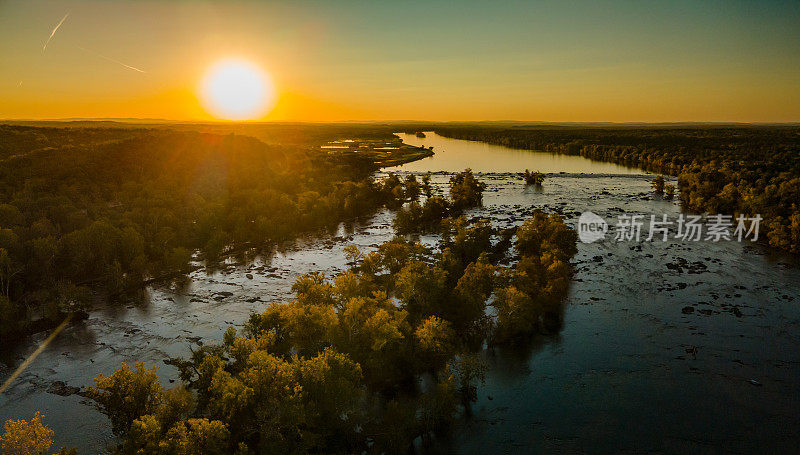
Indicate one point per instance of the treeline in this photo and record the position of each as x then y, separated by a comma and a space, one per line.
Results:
380, 356
19, 140
748, 169
125, 207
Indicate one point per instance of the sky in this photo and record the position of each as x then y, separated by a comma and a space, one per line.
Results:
554, 61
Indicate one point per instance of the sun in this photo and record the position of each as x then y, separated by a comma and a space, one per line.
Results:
236, 89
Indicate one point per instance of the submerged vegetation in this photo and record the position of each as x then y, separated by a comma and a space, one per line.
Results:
727, 170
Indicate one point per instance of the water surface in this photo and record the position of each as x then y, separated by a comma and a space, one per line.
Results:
616, 378
453, 155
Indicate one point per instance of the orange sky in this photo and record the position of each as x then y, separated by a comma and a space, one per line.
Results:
615, 61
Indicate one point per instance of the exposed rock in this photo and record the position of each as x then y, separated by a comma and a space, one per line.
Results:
222, 295
195, 340
60, 388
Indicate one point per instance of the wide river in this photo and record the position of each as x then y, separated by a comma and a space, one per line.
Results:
667, 346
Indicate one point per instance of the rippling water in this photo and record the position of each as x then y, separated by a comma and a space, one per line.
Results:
617, 377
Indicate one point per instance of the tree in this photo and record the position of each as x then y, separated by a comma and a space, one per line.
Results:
473, 290
127, 395
344, 367
466, 242
542, 232
421, 288
26, 438
658, 185
465, 190
8, 270
669, 191
436, 340
533, 178
422, 218
9, 320
518, 315
412, 187
395, 254
426, 184
468, 370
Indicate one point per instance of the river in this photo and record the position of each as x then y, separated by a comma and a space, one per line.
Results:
631, 370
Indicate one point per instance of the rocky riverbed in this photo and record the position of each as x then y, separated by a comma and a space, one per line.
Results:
666, 346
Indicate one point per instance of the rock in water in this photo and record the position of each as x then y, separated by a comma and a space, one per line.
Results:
60, 388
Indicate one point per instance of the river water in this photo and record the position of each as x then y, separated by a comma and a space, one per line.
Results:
452, 155
632, 369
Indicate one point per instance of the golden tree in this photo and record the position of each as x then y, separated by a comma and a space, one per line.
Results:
26, 438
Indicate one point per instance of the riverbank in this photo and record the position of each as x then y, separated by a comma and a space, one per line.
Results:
381, 152
616, 377
624, 334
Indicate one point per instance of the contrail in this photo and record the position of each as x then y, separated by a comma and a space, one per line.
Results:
112, 60
52, 34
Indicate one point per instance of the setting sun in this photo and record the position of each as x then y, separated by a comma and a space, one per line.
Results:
235, 89
317, 226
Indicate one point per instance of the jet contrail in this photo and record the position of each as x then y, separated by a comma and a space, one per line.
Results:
52, 34
112, 60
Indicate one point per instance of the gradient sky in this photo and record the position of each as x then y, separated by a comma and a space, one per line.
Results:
544, 61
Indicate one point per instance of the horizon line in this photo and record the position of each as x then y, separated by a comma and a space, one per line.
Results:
145, 120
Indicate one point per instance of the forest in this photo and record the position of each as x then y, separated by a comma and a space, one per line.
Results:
371, 360
383, 357
89, 214
720, 169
